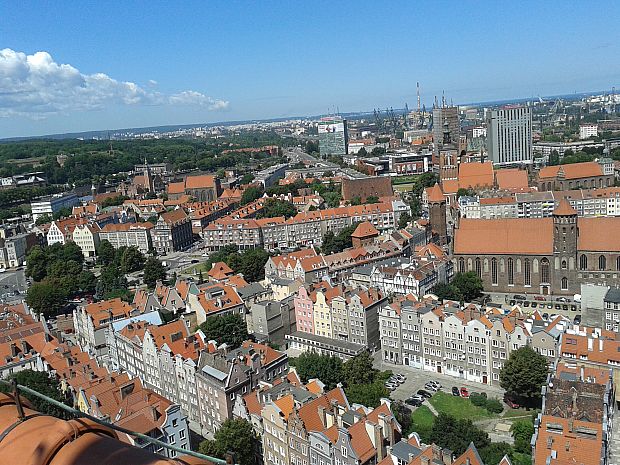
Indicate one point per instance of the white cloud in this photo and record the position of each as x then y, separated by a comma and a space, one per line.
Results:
36, 86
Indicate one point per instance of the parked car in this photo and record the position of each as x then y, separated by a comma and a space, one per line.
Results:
512, 302
519, 297
418, 397
549, 306
545, 316
437, 384
509, 401
565, 307
431, 387
400, 378
577, 319
563, 299
423, 393
464, 392
540, 297
558, 307
455, 391
390, 387
526, 304
413, 402
395, 380
533, 305
573, 308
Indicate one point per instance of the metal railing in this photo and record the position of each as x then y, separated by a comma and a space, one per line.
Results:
78, 413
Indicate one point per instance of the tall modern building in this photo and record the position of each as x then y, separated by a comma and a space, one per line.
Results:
509, 135
333, 137
445, 119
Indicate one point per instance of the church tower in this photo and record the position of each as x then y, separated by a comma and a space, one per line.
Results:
148, 179
448, 155
437, 213
565, 235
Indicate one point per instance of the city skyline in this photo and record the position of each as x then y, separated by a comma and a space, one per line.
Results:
140, 66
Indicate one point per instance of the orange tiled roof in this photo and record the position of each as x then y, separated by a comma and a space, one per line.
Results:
564, 208
200, 182
365, 229
572, 171
435, 194
526, 236
511, 178
591, 237
220, 271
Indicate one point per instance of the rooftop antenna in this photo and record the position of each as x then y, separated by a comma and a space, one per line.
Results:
443, 99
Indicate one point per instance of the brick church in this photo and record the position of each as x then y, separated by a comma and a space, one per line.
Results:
539, 255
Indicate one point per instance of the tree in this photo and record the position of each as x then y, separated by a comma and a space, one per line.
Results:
469, 284
359, 370
403, 416
357, 200
87, 281
153, 271
456, 435
36, 263
522, 432
43, 219
367, 394
236, 436
67, 252
416, 206
277, 207
247, 178
403, 220
361, 153
41, 382
464, 192
445, 291
524, 374
312, 147
44, 297
312, 365
105, 252
337, 243
251, 194
554, 158
332, 199
131, 259
64, 212
221, 173
230, 329
372, 199
494, 452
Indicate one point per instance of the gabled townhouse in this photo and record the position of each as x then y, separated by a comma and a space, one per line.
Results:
225, 374
164, 357
91, 322
469, 343
215, 299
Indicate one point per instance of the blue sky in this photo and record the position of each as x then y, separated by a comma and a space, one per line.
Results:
192, 62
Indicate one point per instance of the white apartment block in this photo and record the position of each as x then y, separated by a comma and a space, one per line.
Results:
588, 130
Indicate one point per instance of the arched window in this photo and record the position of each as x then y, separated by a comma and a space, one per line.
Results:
544, 270
564, 265
564, 283
583, 262
478, 267
602, 263
527, 271
461, 265
511, 271
494, 270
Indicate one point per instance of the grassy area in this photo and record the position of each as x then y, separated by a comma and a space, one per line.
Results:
405, 179
519, 413
403, 187
422, 422
458, 407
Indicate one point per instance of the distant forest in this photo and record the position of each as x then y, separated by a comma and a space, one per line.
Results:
95, 159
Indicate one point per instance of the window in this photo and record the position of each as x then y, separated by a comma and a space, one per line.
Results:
602, 263
494, 270
527, 272
564, 266
583, 262
511, 272
478, 267
544, 270
564, 283
344, 451
462, 265
171, 439
618, 263
182, 434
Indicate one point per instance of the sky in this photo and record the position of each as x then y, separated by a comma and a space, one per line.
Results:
77, 65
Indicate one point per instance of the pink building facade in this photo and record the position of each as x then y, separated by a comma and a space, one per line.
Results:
304, 314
